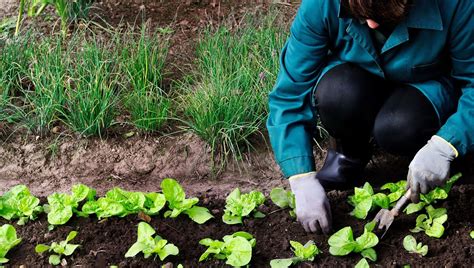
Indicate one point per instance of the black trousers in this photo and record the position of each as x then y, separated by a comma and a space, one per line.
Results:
356, 106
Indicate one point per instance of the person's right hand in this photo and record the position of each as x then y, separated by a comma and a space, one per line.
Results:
312, 205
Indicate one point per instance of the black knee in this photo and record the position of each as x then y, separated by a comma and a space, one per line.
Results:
347, 100
405, 122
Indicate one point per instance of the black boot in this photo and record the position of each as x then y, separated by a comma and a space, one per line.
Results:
342, 170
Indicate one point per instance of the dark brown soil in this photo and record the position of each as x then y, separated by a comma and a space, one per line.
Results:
105, 243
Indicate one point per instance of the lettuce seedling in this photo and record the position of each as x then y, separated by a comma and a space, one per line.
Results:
284, 199
302, 253
236, 249
363, 263
472, 234
8, 240
397, 190
409, 243
438, 193
178, 203
18, 203
431, 224
118, 202
150, 245
342, 242
242, 205
61, 207
364, 200
60, 249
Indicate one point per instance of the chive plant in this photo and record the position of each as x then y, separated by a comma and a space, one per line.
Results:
226, 100
14, 60
48, 73
92, 89
143, 60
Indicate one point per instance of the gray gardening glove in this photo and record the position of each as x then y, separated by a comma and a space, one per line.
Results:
312, 205
430, 167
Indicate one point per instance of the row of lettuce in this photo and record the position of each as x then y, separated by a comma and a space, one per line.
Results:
236, 249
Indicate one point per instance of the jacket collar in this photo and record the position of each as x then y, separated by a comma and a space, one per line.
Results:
424, 14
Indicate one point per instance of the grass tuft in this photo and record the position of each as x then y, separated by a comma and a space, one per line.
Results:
227, 103
91, 91
47, 75
143, 59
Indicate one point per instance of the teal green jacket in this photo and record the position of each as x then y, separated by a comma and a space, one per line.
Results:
432, 49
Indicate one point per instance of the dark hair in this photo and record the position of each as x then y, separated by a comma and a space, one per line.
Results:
381, 11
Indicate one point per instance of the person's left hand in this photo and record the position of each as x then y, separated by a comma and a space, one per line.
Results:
430, 167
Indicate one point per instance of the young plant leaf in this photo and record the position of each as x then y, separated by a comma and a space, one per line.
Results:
18, 203
342, 242
397, 190
240, 205
61, 207
281, 263
63, 248
410, 244
177, 203
431, 224
364, 200
438, 193
236, 249
284, 199
363, 263
149, 245
8, 239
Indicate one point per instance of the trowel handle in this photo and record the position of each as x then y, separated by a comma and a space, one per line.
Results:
401, 203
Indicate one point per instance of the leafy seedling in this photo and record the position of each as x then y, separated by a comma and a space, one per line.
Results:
342, 242
18, 203
363, 263
236, 248
472, 234
302, 253
240, 205
364, 200
150, 245
284, 199
409, 243
431, 224
118, 202
60, 249
8, 240
438, 193
61, 207
397, 190
178, 203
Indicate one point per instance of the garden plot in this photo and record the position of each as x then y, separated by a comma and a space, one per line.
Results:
130, 86
184, 224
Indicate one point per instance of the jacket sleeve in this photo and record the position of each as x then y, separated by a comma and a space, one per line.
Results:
291, 117
459, 128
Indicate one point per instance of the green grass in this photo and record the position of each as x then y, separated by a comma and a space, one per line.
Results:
48, 73
227, 103
15, 57
91, 91
143, 60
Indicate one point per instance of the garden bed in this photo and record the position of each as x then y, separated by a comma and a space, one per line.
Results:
104, 243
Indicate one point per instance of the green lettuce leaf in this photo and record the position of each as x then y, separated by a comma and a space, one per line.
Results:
149, 245
363, 263
240, 205
18, 203
8, 240
410, 244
